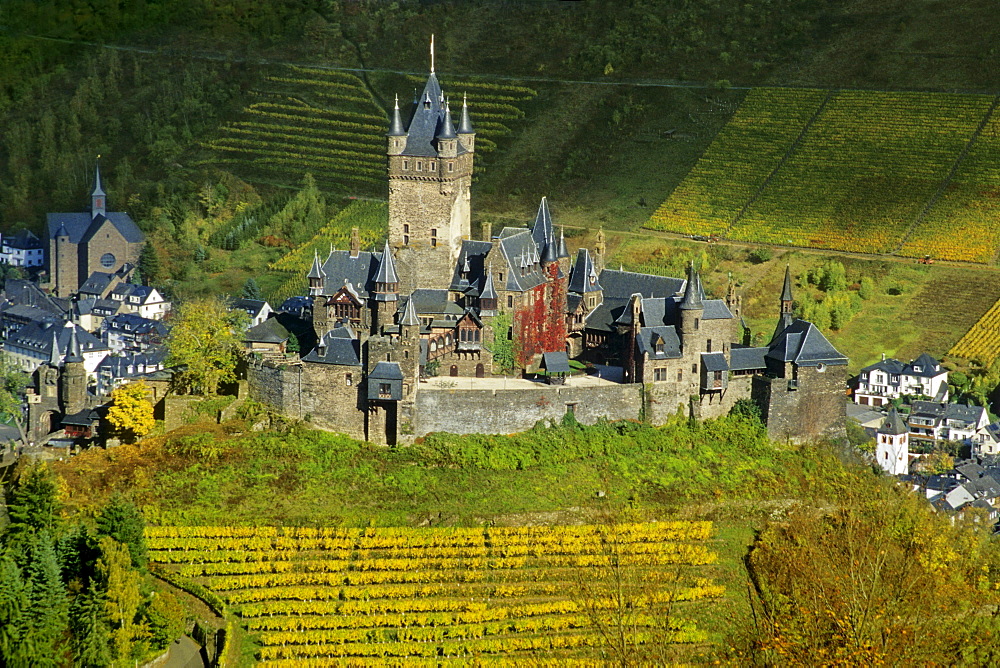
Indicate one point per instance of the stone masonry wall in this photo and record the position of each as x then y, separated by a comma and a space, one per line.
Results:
508, 411
815, 409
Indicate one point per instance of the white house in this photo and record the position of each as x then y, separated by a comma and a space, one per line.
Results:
142, 300
22, 249
258, 310
889, 379
50, 341
937, 421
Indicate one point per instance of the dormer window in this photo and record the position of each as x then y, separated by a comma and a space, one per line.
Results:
659, 346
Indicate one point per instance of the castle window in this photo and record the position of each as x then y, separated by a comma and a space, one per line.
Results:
107, 260
696, 323
659, 374
434, 237
708, 345
510, 333
406, 165
384, 391
420, 166
388, 357
406, 239
434, 167
406, 228
694, 368
510, 301
451, 166
680, 375
406, 354
500, 277
349, 379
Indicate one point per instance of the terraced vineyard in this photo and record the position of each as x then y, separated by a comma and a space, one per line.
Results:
859, 178
371, 219
982, 341
419, 596
327, 122
738, 162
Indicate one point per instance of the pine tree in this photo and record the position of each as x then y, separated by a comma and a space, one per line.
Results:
91, 633
293, 343
251, 290
32, 503
48, 604
149, 263
14, 646
122, 521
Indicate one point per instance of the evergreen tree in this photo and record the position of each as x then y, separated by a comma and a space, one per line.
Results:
251, 290
32, 503
15, 648
91, 633
149, 263
77, 551
293, 343
48, 604
122, 521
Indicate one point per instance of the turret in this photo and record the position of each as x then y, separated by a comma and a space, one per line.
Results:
386, 280
466, 133
692, 310
397, 134
74, 377
892, 444
600, 250
317, 277
97, 196
785, 318
446, 138
488, 299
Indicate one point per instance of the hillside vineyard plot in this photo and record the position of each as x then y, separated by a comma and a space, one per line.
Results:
982, 341
858, 178
392, 595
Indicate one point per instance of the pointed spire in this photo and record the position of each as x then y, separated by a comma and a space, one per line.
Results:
465, 266
97, 196
562, 252
489, 292
465, 125
410, 318
786, 292
387, 270
396, 126
317, 269
693, 293
893, 424
73, 350
447, 127
55, 357
432, 53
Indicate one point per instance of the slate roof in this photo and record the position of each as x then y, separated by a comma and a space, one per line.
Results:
22, 240
133, 364
786, 290
387, 371
745, 359
694, 294
97, 283
386, 267
555, 362
251, 306
358, 271
473, 252
341, 348
543, 233
427, 120
37, 337
465, 125
135, 325
893, 424
22, 291
647, 337
80, 226
929, 367
945, 411
714, 362
803, 344
582, 273
620, 285
524, 269
429, 301
269, 331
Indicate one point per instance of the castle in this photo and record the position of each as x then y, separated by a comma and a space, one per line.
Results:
409, 339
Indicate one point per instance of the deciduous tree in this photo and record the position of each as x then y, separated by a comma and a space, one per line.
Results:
203, 340
12, 384
131, 411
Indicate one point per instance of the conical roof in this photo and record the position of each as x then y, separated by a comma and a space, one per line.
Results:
786, 291
410, 318
465, 125
542, 231
317, 270
386, 267
98, 191
489, 292
446, 129
396, 128
562, 252
893, 424
693, 292
73, 354
55, 357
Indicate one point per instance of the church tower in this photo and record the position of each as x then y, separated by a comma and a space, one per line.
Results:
892, 445
98, 200
430, 182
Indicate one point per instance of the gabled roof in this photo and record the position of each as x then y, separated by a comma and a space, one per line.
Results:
474, 253
804, 345
714, 362
386, 371
251, 306
358, 271
135, 324
23, 291
97, 283
339, 348
37, 337
747, 359
81, 226
22, 240
945, 411
269, 331
620, 285
647, 339
555, 362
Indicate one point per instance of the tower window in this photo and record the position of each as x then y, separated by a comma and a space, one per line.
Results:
406, 228
451, 166
434, 167
708, 345
510, 301
696, 321
406, 165
349, 379
434, 237
406, 239
694, 368
420, 166
680, 375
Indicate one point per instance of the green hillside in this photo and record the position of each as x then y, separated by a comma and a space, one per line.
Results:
852, 170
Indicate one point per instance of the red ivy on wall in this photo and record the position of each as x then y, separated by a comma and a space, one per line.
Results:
541, 327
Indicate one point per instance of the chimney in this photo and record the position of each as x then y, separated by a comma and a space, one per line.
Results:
883, 357
487, 232
355, 241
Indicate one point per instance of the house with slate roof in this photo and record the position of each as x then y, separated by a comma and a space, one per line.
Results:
889, 379
22, 249
96, 240
433, 301
931, 421
36, 343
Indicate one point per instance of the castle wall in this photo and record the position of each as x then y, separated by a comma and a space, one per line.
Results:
811, 406
508, 411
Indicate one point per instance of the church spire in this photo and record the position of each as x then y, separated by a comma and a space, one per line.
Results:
97, 196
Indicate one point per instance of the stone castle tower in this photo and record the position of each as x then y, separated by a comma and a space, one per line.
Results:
430, 182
